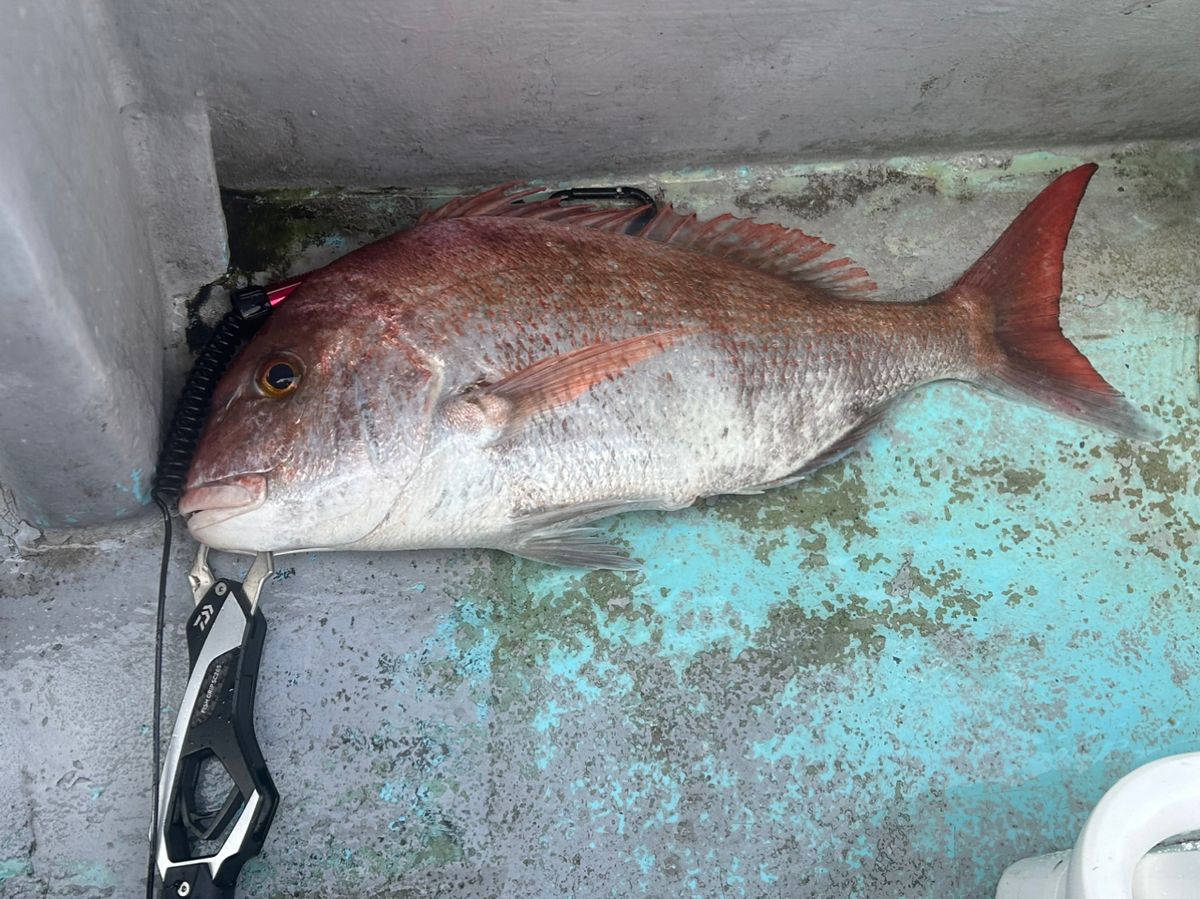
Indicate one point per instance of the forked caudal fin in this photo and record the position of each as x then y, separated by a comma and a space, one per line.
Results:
1019, 281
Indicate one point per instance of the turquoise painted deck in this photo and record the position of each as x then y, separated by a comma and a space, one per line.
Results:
894, 679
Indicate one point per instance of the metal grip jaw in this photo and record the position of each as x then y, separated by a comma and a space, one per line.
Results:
217, 798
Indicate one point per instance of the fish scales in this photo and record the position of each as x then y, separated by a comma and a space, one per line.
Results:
792, 367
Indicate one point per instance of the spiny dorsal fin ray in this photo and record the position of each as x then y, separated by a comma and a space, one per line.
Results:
784, 252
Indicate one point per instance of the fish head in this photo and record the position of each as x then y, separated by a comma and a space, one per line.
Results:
313, 432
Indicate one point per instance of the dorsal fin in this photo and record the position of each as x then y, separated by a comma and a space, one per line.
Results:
787, 253
773, 249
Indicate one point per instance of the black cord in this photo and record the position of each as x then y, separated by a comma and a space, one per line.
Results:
158, 666
192, 409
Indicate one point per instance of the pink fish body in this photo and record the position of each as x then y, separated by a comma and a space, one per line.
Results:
503, 374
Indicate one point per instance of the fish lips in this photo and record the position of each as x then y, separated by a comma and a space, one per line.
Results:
215, 502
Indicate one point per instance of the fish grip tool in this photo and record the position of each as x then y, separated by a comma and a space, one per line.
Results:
200, 845
215, 725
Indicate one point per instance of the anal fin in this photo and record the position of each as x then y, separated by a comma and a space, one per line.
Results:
558, 536
574, 548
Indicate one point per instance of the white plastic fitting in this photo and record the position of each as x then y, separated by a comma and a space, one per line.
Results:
1153, 803
1112, 858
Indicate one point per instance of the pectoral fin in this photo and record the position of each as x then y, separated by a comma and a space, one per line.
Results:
510, 402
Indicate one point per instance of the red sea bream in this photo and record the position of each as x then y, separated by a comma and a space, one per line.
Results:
507, 372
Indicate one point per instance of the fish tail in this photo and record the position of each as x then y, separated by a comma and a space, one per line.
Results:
1012, 297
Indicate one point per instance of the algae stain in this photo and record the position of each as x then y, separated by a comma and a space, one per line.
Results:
264, 231
534, 609
836, 496
962, 182
429, 836
268, 228
1021, 481
848, 625
553, 625
815, 546
954, 601
1164, 504
992, 475
551, 622
816, 191
765, 547
1153, 465
865, 563
1159, 171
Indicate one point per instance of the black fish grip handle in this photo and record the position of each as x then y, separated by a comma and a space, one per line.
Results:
199, 851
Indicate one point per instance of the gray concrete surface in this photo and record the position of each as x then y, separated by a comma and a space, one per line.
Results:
890, 681
366, 93
105, 215
80, 343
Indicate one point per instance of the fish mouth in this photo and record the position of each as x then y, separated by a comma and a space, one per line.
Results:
214, 502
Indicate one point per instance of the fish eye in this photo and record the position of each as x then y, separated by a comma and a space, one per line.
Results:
278, 376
